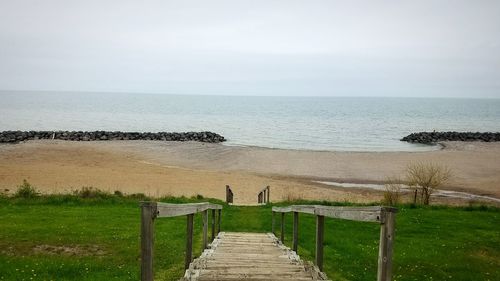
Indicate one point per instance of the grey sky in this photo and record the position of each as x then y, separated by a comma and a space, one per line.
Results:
341, 48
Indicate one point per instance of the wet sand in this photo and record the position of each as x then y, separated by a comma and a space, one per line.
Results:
191, 168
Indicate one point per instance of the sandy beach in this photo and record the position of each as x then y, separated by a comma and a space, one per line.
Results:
191, 168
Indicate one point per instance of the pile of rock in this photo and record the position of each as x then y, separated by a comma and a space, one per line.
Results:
433, 137
17, 136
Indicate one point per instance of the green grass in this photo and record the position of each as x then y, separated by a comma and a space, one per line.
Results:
432, 243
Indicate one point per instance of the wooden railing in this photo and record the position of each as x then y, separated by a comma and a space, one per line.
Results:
229, 195
385, 216
263, 196
152, 210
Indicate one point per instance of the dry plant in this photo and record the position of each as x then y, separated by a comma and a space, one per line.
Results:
291, 196
392, 193
426, 177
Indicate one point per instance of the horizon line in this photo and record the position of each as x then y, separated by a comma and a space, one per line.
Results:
242, 95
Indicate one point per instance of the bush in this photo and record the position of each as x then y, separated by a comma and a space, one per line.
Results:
26, 190
90, 192
4, 193
139, 196
392, 191
426, 177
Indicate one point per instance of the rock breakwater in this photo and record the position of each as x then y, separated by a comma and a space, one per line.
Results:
17, 136
433, 137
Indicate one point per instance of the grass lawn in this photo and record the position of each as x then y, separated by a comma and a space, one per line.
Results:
63, 238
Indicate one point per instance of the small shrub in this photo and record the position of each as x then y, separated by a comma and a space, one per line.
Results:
199, 196
118, 193
426, 177
392, 193
26, 190
4, 193
139, 196
291, 196
90, 192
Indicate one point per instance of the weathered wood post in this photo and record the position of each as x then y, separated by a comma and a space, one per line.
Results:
213, 225
205, 229
267, 193
148, 214
273, 220
295, 231
189, 241
219, 211
320, 225
283, 228
386, 245
229, 194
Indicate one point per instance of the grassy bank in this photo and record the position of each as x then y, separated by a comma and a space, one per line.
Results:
97, 238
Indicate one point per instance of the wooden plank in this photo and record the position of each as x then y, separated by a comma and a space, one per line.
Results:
273, 222
386, 247
282, 209
189, 241
282, 234
369, 214
213, 225
320, 225
148, 214
295, 231
306, 209
174, 210
219, 212
204, 215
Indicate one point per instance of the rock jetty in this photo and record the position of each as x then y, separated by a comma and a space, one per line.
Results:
17, 136
433, 137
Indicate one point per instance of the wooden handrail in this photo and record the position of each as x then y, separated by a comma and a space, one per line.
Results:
385, 216
263, 196
152, 210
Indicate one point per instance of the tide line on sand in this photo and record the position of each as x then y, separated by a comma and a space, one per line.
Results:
437, 193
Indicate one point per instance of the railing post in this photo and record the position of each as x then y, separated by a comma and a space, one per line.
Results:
189, 241
295, 231
273, 220
205, 229
219, 211
148, 214
213, 225
320, 225
283, 228
385, 247
229, 194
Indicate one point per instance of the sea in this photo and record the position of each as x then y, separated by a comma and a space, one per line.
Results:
305, 123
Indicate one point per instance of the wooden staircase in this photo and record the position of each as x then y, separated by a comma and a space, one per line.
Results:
250, 256
259, 256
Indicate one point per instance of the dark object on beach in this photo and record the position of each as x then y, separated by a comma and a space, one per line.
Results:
433, 137
17, 136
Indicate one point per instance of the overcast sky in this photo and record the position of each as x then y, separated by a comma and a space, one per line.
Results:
323, 48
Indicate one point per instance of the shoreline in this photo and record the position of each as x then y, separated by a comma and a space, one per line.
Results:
190, 168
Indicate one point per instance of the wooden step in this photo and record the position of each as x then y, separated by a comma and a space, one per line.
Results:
248, 256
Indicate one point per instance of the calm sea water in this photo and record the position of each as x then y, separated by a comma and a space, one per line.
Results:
318, 123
